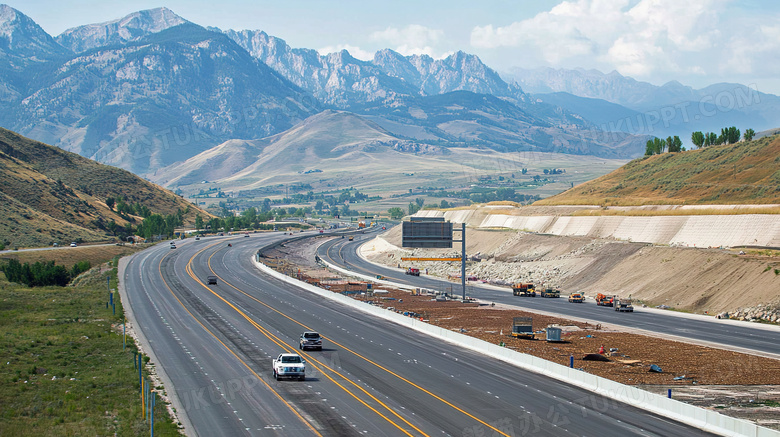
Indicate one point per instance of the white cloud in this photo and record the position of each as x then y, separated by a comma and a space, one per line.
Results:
411, 40
355, 51
636, 37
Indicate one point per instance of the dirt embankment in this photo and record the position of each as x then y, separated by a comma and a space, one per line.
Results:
689, 279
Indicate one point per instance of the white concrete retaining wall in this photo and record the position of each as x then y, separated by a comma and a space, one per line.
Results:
698, 417
695, 230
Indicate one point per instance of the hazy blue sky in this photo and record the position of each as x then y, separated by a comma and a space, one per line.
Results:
698, 42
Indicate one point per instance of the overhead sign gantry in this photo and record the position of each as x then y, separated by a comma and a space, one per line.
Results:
436, 233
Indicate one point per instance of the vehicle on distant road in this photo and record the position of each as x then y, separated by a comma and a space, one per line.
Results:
211, 280
310, 340
604, 300
73, 244
413, 271
524, 289
550, 292
289, 366
624, 305
576, 298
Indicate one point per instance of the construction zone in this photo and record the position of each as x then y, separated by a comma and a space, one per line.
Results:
646, 361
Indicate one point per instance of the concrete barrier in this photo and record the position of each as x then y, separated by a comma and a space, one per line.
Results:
701, 418
695, 230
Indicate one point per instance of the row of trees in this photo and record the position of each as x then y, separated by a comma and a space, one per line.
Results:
41, 274
728, 135
657, 146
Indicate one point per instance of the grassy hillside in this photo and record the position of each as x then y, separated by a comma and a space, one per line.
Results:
50, 195
742, 173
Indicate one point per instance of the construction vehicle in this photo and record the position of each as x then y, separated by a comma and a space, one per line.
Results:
604, 300
624, 305
524, 289
351, 238
576, 298
550, 292
361, 225
522, 327
413, 271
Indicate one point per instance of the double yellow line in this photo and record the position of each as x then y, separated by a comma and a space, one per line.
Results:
320, 366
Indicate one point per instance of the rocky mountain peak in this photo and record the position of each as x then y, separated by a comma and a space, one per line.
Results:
24, 39
129, 28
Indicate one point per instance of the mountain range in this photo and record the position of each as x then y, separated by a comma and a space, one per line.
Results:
618, 103
150, 89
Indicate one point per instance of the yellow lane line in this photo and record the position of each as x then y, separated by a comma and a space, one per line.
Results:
286, 348
279, 396
426, 391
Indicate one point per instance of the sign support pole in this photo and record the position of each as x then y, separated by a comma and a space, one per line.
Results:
463, 259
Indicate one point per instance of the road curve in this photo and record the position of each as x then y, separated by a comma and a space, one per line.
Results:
373, 377
741, 336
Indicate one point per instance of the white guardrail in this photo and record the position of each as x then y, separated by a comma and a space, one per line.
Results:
698, 417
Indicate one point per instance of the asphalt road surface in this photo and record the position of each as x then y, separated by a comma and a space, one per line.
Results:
343, 253
373, 377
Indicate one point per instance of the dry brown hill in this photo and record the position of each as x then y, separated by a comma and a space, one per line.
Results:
741, 173
50, 195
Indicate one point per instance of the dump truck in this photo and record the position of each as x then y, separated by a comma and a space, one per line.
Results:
550, 292
604, 300
524, 289
576, 298
522, 327
624, 305
413, 271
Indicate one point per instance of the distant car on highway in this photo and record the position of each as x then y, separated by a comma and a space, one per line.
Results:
73, 244
310, 340
211, 280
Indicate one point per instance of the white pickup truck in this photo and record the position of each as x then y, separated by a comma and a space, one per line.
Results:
289, 366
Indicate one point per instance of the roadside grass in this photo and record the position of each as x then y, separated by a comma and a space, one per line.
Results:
64, 371
67, 256
677, 212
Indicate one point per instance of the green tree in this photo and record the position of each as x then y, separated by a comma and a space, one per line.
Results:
396, 213
659, 145
710, 139
110, 201
676, 144
420, 202
198, 222
749, 134
697, 138
413, 208
649, 148
444, 204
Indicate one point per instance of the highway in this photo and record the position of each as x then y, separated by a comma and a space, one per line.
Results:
215, 344
731, 335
